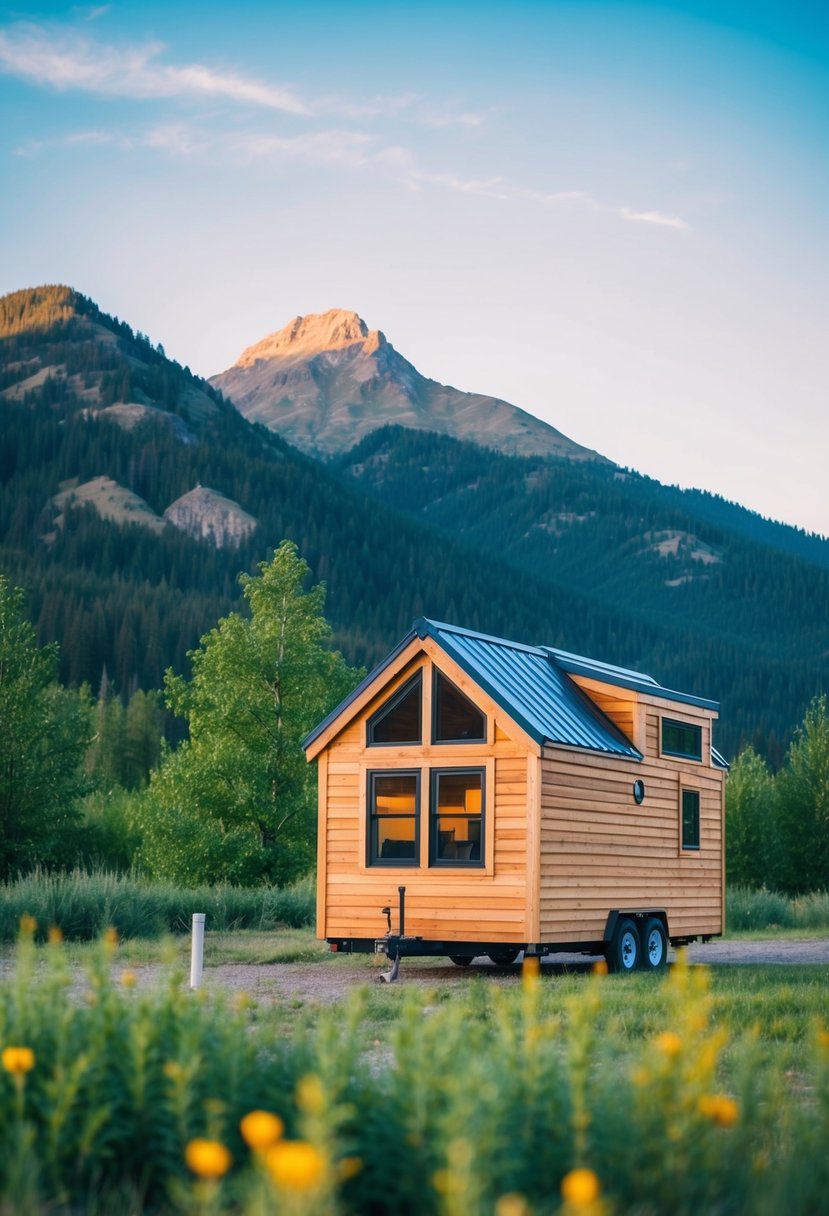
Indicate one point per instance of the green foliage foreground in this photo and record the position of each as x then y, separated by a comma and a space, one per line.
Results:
485, 1104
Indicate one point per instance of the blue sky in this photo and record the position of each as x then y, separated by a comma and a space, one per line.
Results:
613, 215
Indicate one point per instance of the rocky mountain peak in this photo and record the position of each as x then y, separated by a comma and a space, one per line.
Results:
305, 337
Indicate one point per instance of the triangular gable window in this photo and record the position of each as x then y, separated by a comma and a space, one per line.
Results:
399, 720
456, 719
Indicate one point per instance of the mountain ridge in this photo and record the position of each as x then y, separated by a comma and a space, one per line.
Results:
324, 381
580, 555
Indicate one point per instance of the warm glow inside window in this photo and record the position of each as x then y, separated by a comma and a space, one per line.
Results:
399, 720
456, 719
690, 819
457, 817
393, 809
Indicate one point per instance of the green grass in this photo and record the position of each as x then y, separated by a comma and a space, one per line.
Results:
83, 905
698, 1091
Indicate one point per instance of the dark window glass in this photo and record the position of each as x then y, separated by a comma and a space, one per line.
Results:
399, 720
690, 819
456, 718
457, 819
393, 811
681, 739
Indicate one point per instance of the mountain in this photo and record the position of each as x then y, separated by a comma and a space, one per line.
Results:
325, 381
132, 494
102, 438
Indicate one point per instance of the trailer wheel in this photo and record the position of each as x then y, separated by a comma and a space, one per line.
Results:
625, 948
504, 958
461, 960
654, 945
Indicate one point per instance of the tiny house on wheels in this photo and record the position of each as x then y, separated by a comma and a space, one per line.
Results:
478, 796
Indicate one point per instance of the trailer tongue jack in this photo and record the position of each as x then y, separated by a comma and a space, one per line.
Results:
392, 942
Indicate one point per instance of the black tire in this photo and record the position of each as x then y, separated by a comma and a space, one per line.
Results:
504, 958
461, 960
654, 945
625, 948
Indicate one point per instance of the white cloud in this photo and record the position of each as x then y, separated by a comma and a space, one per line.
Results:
654, 217
489, 187
64, 61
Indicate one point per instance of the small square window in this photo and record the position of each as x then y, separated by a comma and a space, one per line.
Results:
681, 739
690, 819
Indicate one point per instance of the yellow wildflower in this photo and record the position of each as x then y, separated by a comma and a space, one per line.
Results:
260, 1129
18, 1060
600, 966
173, 1070
669, 1043
719, 1108
310, 1096
349, 1167
128, 979
28, 925
511, 1204
207, 1158
111, 937
295, 1165
580, 1188
823, 1039
55, 935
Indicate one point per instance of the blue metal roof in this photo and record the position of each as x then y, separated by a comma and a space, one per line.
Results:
532, 684
531, 688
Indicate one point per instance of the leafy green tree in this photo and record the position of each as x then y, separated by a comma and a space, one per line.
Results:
45, 729
237, 801
751, 829
803, 800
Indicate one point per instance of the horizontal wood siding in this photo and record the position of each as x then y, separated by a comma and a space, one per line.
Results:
442, 904
600, 851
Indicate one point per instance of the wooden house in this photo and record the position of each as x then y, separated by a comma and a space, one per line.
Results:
478, 796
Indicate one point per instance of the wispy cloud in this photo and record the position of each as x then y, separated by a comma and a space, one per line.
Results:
487, 187
411, 107
67, 61
654, 217
335, 148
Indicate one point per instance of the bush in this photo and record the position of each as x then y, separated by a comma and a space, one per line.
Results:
83, 905
747, 909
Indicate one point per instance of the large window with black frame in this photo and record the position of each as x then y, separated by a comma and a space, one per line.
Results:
457, 817
393, 818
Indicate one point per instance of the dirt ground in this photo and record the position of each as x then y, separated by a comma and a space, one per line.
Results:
328, 981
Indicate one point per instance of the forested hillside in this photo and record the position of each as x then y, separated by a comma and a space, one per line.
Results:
133, 600
100, 434
750, 596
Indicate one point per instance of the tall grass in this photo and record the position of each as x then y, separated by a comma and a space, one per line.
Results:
763, 909
83, 905
482, 1105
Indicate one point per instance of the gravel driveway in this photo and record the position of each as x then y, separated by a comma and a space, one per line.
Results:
328, 981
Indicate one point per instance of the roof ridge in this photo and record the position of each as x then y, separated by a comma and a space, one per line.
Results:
424, 626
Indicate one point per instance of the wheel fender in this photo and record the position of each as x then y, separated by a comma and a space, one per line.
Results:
638, 914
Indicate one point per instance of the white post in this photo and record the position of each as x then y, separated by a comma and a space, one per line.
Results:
197, 950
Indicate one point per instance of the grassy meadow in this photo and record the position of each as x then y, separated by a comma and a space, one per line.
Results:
705, 1090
